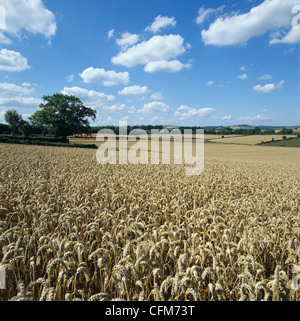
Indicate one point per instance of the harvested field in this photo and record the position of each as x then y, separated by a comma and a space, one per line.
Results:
251, 140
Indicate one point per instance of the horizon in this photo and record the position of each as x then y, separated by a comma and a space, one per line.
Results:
152, 62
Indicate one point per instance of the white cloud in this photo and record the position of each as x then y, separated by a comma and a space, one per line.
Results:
8, 89
268, 88
4, 40
184, 112
107, 78
280, 84
210, 83
90, 98
110, 34
20, 102
134, 90
257, 118
157, 96
70, 78
239, 28
165, 66
154, 107
125, 118
227, 117
115, 108
155, 50
30, 16
128, 39
12, 61
131, 110
203, 14
28, 84
161, 23
292, 37
265, 77
15, 96
243, 76
264, 89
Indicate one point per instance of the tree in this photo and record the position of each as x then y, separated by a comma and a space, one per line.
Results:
13, 119
63, 115
256, 131
4, 129
286, 131
25, 128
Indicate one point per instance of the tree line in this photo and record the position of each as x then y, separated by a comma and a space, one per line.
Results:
61, 115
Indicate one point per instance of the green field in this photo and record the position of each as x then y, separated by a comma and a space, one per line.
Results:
285, 143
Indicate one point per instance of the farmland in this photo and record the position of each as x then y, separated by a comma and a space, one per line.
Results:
251, 140
285, 143
71, 229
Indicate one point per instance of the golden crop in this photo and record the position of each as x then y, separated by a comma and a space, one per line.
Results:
251, 140
71, 229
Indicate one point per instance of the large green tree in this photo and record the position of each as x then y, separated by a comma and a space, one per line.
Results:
13, 119
63, 115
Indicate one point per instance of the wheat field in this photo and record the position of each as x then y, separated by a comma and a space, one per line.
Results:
252, 140
71, 229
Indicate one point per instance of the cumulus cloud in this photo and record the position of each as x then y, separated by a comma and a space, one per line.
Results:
15, 96
160, 23
110, 34
70, 78
131, 110
184, 112
210, 83
165, 66
239, 28
114, 108
127, 39
257, 118
154, 107
30, 16
243, 76
8, 89
134, 90
20, 102
265, 77
227, 117
264, 89
292, 37
157, 96
268, 88
12, 61
90, 98
157, 54
204, 14
107, 78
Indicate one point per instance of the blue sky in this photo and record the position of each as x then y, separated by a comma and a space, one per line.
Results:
155, 62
